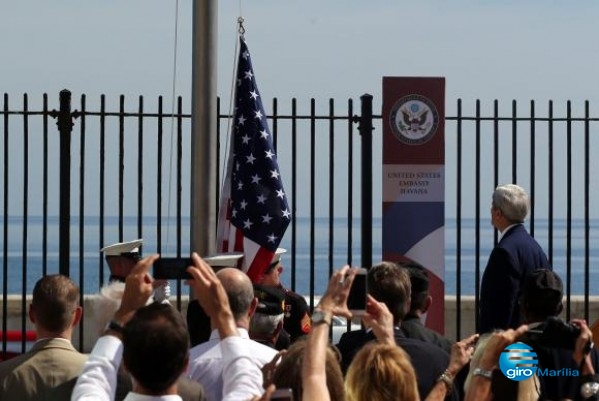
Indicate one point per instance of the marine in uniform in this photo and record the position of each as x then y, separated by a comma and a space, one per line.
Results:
297, 321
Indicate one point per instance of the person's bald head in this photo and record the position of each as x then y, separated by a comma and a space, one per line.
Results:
239, 289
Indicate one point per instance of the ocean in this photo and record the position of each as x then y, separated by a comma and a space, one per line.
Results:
18, 260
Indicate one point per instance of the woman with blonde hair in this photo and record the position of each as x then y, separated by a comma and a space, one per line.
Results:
381, 372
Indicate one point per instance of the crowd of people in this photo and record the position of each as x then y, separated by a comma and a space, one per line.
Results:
257, 341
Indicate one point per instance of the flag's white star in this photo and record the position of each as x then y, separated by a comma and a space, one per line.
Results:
261, 199
243, 204
280, 193
254, 95
239, 82
269, 154
250, 159
258, 115
247, 224
271, 238
286, 213
236, 166
274, 174
240, 185
256, 179
245, 55
264, 134
246, 139
241, 120
234, 213
248, 75
266, 218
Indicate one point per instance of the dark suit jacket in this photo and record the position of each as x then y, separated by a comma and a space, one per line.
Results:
413, 328
47, 372
515, 256
429, 361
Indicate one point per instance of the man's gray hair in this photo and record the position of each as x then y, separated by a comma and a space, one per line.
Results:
265, 324
513, 202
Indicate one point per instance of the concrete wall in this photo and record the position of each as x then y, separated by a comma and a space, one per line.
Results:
15, 314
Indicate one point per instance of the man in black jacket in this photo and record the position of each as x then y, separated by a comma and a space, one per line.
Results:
552, 339
390, 284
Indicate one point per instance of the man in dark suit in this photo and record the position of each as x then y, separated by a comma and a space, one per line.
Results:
390, 284
49, 370
516, 255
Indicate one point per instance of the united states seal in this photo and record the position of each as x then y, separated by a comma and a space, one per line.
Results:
414, 119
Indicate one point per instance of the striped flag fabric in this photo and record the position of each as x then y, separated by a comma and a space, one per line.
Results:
254, 212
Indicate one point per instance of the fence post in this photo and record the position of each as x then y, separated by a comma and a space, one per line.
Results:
366, 129
64, 122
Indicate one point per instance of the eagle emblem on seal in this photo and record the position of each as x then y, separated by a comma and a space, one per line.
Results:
414, 119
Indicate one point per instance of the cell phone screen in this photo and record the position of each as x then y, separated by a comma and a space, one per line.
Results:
356, 301
172, 268
282, 394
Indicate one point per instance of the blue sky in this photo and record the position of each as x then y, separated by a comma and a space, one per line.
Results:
333, 48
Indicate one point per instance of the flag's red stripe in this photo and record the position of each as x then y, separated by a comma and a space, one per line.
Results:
259, 264
238, 239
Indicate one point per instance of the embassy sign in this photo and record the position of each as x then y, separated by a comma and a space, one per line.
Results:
414, 180
519, 362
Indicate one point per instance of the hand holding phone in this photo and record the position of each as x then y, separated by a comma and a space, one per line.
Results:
172, 269
282, 394
356, 301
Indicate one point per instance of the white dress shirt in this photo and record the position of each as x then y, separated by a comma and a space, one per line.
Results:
207, 364
97, 382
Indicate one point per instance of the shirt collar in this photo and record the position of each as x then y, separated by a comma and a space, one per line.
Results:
508, 228
243, 333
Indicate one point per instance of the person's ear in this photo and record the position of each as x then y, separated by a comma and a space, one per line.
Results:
427, 303
559, 308
253, 307
275, 334
31, 314
77, 315
186, 364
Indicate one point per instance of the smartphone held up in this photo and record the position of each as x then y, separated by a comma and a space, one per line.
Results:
172, 269
356, 301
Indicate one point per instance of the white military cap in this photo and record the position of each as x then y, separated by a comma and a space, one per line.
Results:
122, 247
278, 253
229, 259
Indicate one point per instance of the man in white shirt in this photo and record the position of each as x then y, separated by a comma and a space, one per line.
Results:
153, 342
207, 359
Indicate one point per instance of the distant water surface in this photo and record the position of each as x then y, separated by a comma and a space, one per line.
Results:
29, 259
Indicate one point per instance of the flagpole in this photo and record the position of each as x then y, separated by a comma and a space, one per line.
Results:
203, 127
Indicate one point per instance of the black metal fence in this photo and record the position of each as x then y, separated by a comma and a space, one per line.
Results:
129, 172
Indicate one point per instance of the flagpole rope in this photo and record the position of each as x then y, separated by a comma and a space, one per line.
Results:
240, 31
170, 162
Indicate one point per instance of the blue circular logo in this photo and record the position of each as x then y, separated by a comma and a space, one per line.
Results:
518, 362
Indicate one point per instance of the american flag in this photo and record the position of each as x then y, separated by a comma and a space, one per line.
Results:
254, 213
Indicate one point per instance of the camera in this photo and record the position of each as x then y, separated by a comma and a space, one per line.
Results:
552, 333
172, 269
